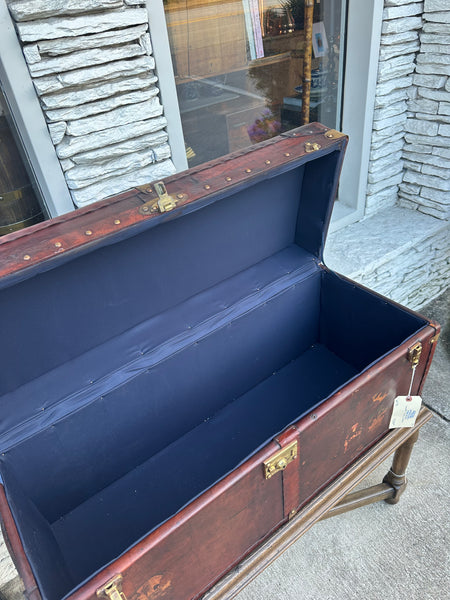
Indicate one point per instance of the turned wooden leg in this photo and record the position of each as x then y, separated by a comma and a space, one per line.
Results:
396, 477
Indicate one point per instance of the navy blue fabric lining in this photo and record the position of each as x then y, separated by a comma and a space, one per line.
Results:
315, 208
91, 375
376, 325
98, 296
40, 544
157, 489
217, 390
180, 390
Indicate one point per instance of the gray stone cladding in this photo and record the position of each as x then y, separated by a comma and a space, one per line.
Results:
426, 152
403, 243
400, 253
400, 41
410, 157
92, 67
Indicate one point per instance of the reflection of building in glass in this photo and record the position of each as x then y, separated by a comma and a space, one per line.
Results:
235, 61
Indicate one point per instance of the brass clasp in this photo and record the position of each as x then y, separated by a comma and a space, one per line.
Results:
414, 354
280, 460
112, 589
165, 203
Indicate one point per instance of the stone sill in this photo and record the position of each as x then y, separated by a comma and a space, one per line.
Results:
400, 253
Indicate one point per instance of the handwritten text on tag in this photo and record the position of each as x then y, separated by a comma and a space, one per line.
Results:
405, 411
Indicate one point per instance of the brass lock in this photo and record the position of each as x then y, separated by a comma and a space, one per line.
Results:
165, 203
280, 460
112, 589
414, 354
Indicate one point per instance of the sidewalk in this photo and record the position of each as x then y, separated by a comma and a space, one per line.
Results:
380, 551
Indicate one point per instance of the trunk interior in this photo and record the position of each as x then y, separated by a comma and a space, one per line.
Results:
215, 330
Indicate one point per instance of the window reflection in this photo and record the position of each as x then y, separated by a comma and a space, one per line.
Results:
239, 67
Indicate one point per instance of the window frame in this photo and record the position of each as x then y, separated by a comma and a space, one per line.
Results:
29, 124
364, 21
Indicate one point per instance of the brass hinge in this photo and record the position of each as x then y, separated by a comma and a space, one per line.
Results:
414, 354
332, 134
112, 589
165, 203
280, 460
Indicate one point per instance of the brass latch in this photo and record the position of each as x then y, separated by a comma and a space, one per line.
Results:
414, 354
112, 589
165, 203
312, 146
280, 460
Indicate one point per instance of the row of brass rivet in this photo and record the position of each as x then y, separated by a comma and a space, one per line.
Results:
88, 232
149, 190
208, 187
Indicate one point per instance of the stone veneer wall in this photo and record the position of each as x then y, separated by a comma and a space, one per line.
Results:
403, 249
426, 153
397, 252
92, 66
410, 156
399, 44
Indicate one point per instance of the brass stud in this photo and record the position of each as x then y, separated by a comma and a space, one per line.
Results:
149, 190
145, 209
117, 222
267, 162
27, 257
228, 178
58, 244
207, 187
180, 196
248, 170
292, 513
287, 153
88, 232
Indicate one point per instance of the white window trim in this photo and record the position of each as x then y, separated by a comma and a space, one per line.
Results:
29, 121
361, 68
166, 81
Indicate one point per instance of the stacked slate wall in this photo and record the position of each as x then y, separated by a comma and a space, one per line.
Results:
410, 157
92, 66
399, 44
426, 153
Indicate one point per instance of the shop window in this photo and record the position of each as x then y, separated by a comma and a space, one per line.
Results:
19, 206
238, 68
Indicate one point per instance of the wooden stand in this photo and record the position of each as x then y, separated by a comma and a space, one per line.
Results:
334, 500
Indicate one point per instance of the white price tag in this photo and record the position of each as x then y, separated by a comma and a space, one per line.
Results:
405, 411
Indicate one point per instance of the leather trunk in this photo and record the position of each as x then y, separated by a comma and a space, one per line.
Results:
182, 374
